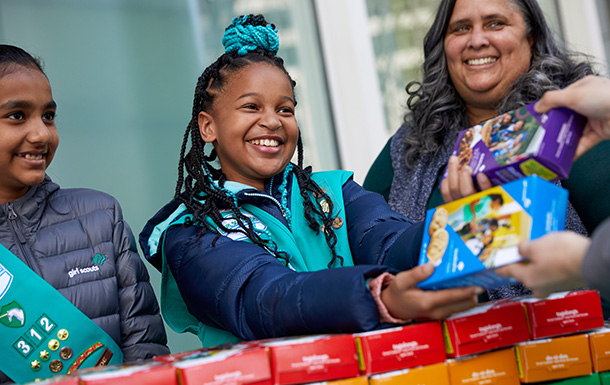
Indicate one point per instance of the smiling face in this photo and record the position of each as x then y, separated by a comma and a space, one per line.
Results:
252, 124
28, 136
487, 48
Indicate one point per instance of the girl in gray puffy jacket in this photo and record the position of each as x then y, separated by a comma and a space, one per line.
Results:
75, 239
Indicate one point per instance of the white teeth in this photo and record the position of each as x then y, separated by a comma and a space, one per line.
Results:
265, 142
35, 157
478, 62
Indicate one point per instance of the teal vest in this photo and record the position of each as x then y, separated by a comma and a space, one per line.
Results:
307, 251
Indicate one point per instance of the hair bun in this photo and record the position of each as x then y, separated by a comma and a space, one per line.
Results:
247, 33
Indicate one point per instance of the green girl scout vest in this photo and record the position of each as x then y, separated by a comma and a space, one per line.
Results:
45, 334
307, 251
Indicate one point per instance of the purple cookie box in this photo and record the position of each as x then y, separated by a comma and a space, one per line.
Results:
549, 146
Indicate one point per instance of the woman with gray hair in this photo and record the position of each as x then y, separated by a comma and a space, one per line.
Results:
482, 58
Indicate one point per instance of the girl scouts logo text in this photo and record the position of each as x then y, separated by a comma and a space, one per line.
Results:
83, 270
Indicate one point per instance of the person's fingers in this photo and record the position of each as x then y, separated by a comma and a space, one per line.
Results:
465, 183
410, 278
483, 181
451, 181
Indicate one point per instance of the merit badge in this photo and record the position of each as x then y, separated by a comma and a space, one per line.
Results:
44, 355
337, 223
12, 315
35, 365
325, 206
63, 334
53, 345
55, 366
65, 353
5, 280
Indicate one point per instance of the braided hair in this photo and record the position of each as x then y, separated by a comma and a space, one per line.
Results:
248, 40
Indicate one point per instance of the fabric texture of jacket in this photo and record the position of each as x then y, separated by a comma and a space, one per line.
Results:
240, 287
77, 241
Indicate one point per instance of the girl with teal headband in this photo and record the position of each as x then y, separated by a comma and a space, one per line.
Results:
253, 246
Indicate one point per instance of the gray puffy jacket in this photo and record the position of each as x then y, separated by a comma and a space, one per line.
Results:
58, 232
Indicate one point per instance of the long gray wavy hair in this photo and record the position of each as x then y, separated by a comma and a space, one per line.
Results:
436, 110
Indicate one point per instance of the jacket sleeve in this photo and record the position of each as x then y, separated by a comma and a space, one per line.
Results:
239, 287
377, 234
142, 331
596, 264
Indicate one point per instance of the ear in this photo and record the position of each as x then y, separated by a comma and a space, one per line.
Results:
207, 129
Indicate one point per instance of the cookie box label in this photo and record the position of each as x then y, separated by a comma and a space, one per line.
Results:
521, 143
470, 237
555, 358
599, 343
499, 324
399, 348
564, 313
322, 358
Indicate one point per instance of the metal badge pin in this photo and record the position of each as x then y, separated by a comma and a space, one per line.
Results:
65, 353
53, 345
35, 365
44, 355
63, 334
55, 366
324, 205
337, 223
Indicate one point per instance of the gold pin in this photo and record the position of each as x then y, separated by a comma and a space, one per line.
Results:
337, 223
44, 355
324, 205
65, 353
63, 334
55, 366
53, 345
35, 365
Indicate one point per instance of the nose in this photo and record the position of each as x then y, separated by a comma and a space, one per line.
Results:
39, 132
270, 120
478, 38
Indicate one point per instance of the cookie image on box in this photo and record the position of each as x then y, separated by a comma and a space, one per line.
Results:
439, 220
438, 244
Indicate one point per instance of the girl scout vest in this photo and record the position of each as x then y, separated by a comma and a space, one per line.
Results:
45, 334
307, 251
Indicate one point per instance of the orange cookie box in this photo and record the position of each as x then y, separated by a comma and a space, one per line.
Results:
552, 359
489, 326
400, 348
564, 313
435, 374
498, 368
599, 343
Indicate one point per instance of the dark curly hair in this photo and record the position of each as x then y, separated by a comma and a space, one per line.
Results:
436, 110
200, 184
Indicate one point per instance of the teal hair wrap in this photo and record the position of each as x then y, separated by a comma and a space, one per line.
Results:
243, 38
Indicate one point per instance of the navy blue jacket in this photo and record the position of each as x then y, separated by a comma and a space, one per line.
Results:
240, 287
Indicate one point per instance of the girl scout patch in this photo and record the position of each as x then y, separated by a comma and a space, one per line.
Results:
231, 223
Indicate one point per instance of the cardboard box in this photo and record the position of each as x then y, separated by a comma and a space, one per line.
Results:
593, 379
347, 381
237, 365
150, 373
470, 237
58, 380
435, 374
498, 368
553, 359
313, 358
599, 343
489, 326
400, 348
564, 313
522, 143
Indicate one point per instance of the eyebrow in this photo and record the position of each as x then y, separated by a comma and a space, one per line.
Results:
288, 98
468, 20
11, 104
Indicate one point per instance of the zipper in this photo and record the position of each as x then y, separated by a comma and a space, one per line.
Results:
18, 233
279, 205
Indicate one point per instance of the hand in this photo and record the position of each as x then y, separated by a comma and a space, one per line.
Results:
589, 96
554, 265
459, 183
406, 301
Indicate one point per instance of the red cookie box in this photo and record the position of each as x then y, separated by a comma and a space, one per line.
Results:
552, 359
316, 358
149, 373
346, 381
58, 380
599, 343
240, 364
436, 374
486, 327
498, 367
199, 353
564, 313
400, 348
